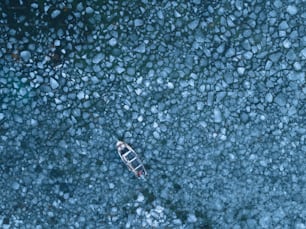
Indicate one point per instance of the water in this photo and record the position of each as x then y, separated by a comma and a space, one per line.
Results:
210, 94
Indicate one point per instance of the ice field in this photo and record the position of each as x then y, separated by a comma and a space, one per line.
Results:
210, 94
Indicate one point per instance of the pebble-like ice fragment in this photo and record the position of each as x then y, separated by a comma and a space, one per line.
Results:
286, 44
269, 97
292, 10
89, 10
57, 43
275, 57
230, 52
217, 115
278, 4
265, 221
25, 55
280, 99
23, 91
192, 218
170, 85
241, 70
34, 5
120, 69
297, 66
283, 25
194, 24
97, 58
53, 83
81, 95
160, 15
303, 53
138, 22
140, 197
138, 91
141, 48
15, 185
131, 71
248, 55
1, 116
55, 13
112, 42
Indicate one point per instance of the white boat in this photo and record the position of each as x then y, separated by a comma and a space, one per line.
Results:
131, 159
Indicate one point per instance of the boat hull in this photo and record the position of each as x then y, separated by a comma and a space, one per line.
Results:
131, 159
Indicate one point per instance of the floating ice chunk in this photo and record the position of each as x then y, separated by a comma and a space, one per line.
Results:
286, 44
18, 118
210, 98
112, 42
200, 105
265, 221
300, 225
230, 52
275, 57
140, 118
244, 117
57, 43
197, 2
177, 14
15, 185
292, 10
280, 99
25, 55
53, 83
170, 85
239, 4
278, 4
89, 10
23, 91
141, 48
221, 48
269, 97
203, 124
34, 5
160, 15
191, 218
291, 55
217, 115
177, 222
297, 66
248, 55
1, 116
120, 69
291, 111
97, 58
156, 135
297, 76
55, 13
138, 22
303, 53
140, 197
131, 71
230, 21
154, 109
138, 91
194, 24
80, 7
283, 25
241, 70
81, 95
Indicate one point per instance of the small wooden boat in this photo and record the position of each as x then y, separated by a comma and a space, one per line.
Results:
131, 159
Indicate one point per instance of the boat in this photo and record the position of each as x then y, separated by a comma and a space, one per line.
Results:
131, 159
